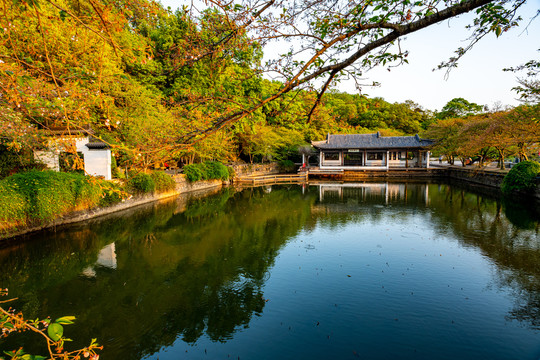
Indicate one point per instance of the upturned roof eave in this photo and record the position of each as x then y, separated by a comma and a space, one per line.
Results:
330, 147
372, 142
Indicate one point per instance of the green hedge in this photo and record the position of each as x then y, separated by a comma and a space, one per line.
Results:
13, 206
163, 181
45, 195
193, 172
112, 193
149, 183
522, 177
141, 184
211, 170
38, 197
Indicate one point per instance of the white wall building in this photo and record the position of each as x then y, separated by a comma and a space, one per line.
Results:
373, 152
96, 156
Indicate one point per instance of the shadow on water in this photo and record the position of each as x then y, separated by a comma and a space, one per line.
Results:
190, 267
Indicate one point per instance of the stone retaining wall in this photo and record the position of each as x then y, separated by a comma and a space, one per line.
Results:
184, 185
255, 169
491, 178
476, 176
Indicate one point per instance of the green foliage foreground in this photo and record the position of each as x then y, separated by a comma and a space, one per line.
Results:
52, 332
521, 177
141, 184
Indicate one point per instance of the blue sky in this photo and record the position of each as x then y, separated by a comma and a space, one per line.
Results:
478, 78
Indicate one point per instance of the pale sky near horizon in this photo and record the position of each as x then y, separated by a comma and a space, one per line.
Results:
479, 76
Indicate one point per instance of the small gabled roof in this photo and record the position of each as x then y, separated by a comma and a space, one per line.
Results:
68, 131
371, 141
98, 145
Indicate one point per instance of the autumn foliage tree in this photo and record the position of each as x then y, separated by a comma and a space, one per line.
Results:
153, 82
500, 134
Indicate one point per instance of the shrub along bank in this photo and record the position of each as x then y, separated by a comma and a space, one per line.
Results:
522, 178
211, 170
35, 198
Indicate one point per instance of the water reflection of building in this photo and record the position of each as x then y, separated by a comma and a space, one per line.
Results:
380, 192
106, 258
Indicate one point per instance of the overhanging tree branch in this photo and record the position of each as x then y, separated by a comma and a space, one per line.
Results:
303, 76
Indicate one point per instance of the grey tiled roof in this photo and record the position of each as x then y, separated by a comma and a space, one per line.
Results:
371, 141
97, 145
64, 131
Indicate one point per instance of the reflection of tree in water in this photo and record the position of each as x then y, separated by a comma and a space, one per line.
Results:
523, 213
189, 274
505, 233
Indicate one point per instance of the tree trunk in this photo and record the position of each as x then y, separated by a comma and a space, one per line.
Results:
521, 152
501, 158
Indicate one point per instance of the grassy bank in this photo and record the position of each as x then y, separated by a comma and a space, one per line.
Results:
36, 198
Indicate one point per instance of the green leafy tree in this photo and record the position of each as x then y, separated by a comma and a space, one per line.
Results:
458, 108
448, 135
377, 114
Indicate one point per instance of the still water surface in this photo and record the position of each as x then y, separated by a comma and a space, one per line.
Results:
333, 271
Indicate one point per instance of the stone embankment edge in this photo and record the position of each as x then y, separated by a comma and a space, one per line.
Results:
182, 186
482, 177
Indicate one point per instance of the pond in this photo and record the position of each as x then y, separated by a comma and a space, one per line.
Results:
356, 270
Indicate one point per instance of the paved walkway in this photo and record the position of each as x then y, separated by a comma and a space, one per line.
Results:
491, 167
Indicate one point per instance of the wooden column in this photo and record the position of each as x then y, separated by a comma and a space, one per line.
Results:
365, 158
406, 158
